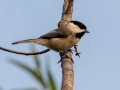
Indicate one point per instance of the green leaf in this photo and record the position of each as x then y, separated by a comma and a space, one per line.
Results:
39, 78
36, 58
37, 62
51, 81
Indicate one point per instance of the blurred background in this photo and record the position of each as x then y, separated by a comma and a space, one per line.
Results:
98, 68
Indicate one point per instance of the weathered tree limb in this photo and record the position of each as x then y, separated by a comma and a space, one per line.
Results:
67, 71
24, 53
67, 12
66, 63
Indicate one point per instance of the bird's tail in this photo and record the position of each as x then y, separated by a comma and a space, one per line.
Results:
26, 41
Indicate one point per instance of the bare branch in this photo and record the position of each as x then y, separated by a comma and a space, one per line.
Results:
66, 63
24, 53
67, 12
67, 71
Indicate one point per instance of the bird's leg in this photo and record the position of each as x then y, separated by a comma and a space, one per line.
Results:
65, 56
75, 49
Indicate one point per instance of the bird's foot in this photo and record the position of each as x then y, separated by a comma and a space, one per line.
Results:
66, 56
75, 50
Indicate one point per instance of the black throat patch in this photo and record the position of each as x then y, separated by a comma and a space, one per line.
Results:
79, 35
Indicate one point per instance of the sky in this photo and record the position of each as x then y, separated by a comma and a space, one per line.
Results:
98, 68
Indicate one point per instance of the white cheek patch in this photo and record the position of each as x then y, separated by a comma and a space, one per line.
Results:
82, 30
74, 28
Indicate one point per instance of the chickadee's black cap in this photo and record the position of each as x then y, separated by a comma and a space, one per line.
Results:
79, 24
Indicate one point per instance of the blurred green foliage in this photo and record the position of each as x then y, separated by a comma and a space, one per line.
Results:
47, 83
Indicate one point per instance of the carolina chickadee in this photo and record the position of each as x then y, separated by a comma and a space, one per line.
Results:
62, 38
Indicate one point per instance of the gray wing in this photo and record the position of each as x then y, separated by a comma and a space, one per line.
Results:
60, 32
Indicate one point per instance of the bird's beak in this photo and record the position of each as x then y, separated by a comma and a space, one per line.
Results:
86, 31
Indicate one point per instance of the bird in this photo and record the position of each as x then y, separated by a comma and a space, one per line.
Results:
62, 38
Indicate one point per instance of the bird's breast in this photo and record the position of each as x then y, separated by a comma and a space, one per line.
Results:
62, 44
